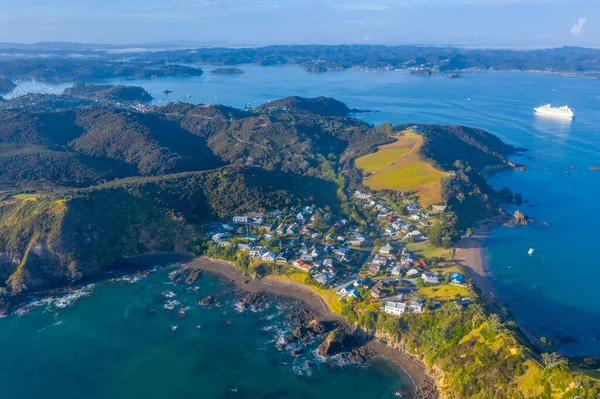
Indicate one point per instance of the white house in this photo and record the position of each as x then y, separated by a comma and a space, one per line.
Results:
219, 237
227, 227
386, 249
430, 278
416, 234
269, 257
395, 308
396, 271
240, 219
412, 273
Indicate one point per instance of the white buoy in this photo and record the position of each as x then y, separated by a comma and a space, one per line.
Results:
531, 251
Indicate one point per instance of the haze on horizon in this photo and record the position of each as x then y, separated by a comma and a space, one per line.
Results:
518, 23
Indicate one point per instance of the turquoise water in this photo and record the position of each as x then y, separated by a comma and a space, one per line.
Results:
554, 291
115, 341
109, 341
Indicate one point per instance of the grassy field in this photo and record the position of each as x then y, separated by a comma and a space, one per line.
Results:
329, 296
444, 292
397, 166
428, 251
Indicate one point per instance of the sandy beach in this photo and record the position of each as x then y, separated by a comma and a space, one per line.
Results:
405, 361
470, 254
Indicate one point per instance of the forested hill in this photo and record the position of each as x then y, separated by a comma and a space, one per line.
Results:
111, 181
84, 146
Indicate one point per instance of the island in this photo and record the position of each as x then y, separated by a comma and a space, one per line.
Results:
294, 197
125, 94
228, 71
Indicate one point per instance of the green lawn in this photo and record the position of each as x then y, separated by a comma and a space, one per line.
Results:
444, 292
428, 251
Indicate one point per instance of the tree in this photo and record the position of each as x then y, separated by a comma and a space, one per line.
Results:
242, 261
469, 231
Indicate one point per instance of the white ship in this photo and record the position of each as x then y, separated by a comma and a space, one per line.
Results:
557, 112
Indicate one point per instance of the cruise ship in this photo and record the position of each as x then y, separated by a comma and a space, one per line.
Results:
557, 112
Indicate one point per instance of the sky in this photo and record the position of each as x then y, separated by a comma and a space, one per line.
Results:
492, 23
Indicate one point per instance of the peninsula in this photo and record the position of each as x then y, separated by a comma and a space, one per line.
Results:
294, 191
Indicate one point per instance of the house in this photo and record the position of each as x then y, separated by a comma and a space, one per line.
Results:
374, 268
415, 216
315, 253
321, 278
269, 257
457, 278
415, 234
412, 208
243, 247
396, 271
240, 219
380, 260
412, 273
257, 219
430, 278
362, 196
283, 257
227, 227
293, 229
251, 238
224, 244
386, 249
301, 265
416, 305
389, 231
219, 237
376, 293
281, 229
341, 251
340, 239
328, 262
438, 208
349, 290
307, 257
395, 308
257, 252
301, 217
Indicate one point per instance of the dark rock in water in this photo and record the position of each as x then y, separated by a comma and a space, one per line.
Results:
182, 313
206, 301
520, 218
334, 343
296, 352
193, 275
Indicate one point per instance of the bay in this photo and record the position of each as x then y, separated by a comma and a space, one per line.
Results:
115, 339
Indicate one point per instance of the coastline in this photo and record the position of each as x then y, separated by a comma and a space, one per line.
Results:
408, 363
471, 254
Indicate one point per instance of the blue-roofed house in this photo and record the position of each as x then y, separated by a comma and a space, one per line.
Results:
457, 278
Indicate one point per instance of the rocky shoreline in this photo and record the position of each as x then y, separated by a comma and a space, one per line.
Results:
314, 320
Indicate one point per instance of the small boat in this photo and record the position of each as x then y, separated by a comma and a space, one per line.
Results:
173, 328
531, 251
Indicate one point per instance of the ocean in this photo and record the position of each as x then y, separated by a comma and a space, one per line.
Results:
115, 339
109, 340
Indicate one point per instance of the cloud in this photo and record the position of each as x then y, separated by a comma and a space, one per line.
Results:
577, 29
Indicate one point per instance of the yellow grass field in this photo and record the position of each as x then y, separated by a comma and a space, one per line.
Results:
397, 166
444, 292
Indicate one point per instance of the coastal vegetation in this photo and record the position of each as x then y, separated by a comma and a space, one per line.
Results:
127, 94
